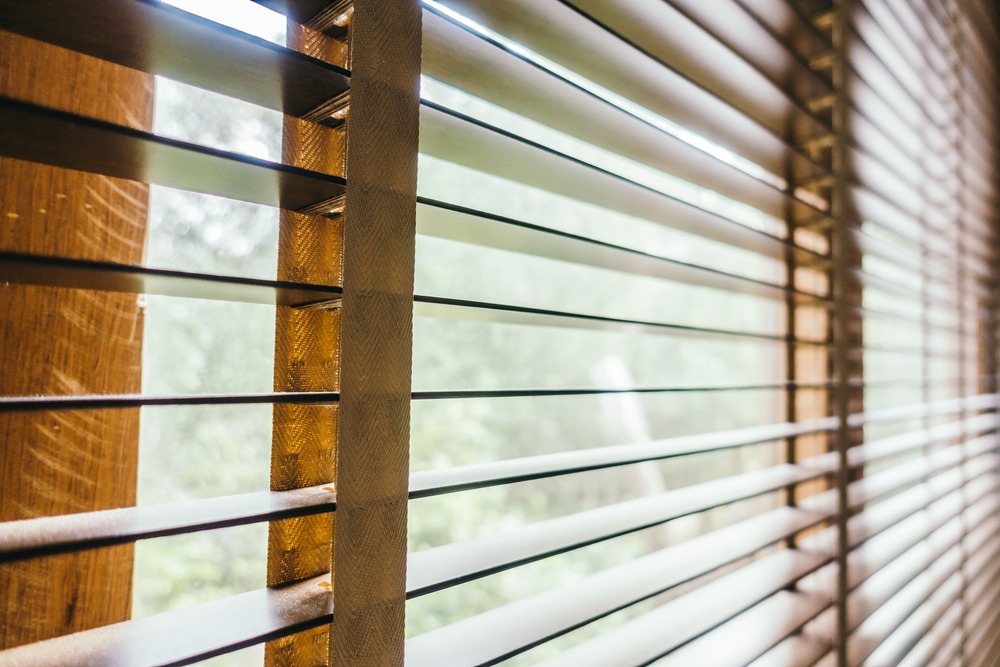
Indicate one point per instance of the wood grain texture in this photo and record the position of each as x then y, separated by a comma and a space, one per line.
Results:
307, 349
308, 39
59, 342
376, 335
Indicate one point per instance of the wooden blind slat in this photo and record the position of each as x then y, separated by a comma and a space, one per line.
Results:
532, 620
725, 51
620, 67
435, 218
25, 269
751, 634
441, 567
84, 144
157, 38
31, 538
450, 136
188, 635
796, 651
694, 614
457, 57
462, 309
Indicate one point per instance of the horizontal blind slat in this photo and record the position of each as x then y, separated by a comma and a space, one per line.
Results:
892, 507
303, 11
944, 624
690, 616
532, 620
905, 637
32, 538
511, 470
871, 633
453, 137
469, 226
40, 134
883, 516
749, 635
787, 21
881, 602
157, 38
440, 567
25, 269
188, 635
457, 57
904, 70
102, 401
918, 410
940, 521
445, 308
796, 651
721, 50
626, 71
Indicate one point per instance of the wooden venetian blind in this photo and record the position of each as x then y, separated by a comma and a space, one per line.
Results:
831, 216
340, 241
670, 339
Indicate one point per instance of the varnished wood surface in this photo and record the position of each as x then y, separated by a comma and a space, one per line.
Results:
306, 358
57, 341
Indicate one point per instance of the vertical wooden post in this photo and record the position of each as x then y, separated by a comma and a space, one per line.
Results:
991, 342
306, 358
846, 326
955, 42
376, 336
807, 364
58, 341
791, 345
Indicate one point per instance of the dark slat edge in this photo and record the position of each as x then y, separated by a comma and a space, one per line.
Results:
533, 620
457, 137
105, 276
441, 567
460, 223
60, 139
100, 401
462, 478
464, 309
154, 37
188, 635
45, 536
